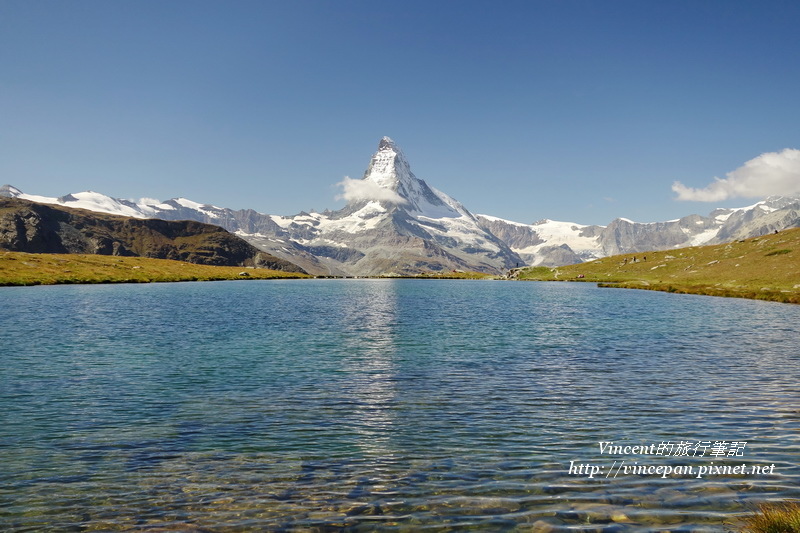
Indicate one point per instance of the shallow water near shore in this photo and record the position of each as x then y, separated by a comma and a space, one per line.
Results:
392, 405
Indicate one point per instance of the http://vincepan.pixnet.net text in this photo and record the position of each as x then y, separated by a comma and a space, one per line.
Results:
685, 458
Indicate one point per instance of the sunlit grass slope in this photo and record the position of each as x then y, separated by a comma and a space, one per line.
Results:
17, 268
765, 268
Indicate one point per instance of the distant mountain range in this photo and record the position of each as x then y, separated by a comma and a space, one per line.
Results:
395, 223
32, 227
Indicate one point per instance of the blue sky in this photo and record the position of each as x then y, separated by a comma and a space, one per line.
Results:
569, 110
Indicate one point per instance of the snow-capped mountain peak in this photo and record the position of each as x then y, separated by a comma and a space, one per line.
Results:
389, 169
388, 206
10, 191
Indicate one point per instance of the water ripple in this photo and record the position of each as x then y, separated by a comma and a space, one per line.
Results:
388, 404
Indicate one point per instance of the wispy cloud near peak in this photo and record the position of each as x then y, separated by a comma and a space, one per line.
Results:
355, 190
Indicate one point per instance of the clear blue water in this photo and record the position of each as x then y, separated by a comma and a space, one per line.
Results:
387, 404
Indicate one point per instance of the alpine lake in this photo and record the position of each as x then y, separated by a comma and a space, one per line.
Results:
392, 405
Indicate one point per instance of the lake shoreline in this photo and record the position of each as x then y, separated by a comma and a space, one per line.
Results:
734, 270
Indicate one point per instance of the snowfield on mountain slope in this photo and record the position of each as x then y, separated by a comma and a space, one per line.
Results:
100, 203
365, 218
556, 233
93, 202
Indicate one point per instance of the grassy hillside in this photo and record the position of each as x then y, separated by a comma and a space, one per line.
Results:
19, 268
765, 268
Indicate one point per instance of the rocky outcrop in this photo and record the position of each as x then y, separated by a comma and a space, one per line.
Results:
623, 236
516, 236
27, 226
552, 256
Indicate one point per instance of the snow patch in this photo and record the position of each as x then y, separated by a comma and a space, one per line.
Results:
202, 208
505, 221
703, 237
283, 222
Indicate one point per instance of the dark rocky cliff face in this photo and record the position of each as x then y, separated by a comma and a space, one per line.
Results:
40, 228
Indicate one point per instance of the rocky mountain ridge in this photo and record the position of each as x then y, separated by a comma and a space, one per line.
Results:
540, 244
395, 223
27, 226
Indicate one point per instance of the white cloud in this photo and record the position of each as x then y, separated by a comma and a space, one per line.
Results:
148, 201
772, 173
354, 190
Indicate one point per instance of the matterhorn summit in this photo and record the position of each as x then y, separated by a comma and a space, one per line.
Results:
395, 223
389, 169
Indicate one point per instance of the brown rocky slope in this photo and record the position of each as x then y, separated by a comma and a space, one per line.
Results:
31, 227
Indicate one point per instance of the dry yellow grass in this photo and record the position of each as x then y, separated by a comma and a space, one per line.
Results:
783, 517
17, 268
